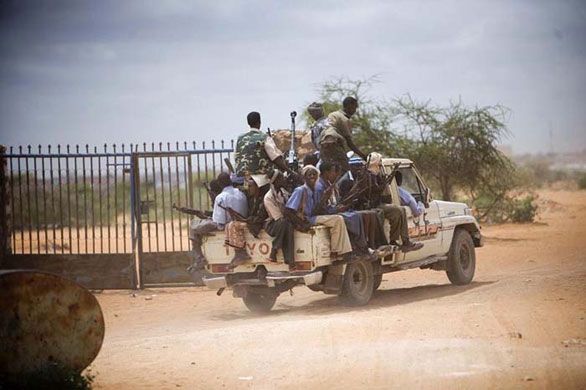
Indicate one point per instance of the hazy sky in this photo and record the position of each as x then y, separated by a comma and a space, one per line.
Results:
126, 71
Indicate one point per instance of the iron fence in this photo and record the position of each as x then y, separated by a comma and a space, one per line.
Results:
82, 200
167, 176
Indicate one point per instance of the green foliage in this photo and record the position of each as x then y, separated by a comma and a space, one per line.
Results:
518, 209
523, 209
455, 147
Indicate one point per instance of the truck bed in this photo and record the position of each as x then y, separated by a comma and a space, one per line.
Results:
312, 250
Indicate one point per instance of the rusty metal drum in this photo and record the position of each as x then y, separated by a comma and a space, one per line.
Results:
46, 319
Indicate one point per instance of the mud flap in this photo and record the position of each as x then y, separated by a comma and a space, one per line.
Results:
334, 279
239, 291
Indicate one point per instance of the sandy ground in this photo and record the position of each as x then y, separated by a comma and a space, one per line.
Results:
520, 324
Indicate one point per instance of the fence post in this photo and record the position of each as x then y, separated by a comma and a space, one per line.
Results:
136, 220
5, 229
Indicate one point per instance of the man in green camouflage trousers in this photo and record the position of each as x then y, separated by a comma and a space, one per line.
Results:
256, 152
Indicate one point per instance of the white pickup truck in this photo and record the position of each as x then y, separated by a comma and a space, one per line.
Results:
448, 230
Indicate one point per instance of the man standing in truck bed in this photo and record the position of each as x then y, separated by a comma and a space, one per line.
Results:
256, 152
336, 140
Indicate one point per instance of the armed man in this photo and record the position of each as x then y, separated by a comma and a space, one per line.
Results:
336, 140
256, 152
316, 111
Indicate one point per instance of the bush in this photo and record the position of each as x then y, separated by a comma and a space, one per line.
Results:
522, 210
509, 208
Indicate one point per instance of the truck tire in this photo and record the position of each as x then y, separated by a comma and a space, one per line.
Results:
358, 283
260, 300
461, 258
378, 279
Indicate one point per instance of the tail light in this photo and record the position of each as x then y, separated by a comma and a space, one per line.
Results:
220, 268
303, 265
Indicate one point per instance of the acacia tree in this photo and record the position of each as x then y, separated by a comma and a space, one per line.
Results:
454, 146
457, 146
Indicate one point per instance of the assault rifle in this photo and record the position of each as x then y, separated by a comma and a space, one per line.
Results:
320, 208
229, 165
235, 215
212, 194
255, 223
299, 223
362, 185
189, 211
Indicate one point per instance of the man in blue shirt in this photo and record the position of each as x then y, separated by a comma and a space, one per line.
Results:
303, 201
325, 186
229, 197
407, 199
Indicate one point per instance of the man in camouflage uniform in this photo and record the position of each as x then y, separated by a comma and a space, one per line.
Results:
336, 140
256, 152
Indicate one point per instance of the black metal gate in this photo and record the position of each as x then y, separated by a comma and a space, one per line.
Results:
68, 211
103, 216
165, 178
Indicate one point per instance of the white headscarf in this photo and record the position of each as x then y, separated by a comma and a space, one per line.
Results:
375, 162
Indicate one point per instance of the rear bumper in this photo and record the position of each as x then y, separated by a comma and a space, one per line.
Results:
216, 282
308, 279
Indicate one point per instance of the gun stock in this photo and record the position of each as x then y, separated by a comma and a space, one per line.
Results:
235, 215
229, 165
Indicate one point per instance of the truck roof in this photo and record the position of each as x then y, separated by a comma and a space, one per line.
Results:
402, 161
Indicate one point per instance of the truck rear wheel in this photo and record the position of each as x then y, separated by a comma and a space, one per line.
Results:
461, 258
260, 300
358, 283
378, 279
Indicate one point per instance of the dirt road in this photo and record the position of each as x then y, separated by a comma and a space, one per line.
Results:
520, 324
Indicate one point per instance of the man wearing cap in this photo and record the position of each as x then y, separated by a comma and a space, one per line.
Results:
347, 181
302, 203
256, 152
316, 111
336, 140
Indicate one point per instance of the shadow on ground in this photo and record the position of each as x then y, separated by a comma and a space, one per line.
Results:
382, 298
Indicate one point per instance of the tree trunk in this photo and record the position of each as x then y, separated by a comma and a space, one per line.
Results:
446, 187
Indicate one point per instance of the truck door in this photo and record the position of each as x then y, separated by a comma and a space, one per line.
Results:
425, 228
